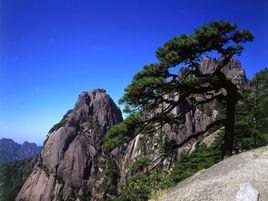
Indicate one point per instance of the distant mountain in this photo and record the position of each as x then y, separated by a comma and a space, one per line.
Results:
10, 150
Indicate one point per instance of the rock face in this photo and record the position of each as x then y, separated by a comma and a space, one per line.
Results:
240, 177
194, 122
233, 70
72, 155
10, 150
72, 165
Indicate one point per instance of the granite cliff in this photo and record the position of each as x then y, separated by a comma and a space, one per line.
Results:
194, 122
72, 164
72, 157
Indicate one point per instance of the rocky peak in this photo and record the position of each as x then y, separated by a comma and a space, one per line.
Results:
97, 106
28, 149
195, 121
233, 71
72, 164
72, 157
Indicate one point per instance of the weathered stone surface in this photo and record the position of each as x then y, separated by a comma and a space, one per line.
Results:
223, 181
194, 121
233, 70
247, 193
72, 160
72, 155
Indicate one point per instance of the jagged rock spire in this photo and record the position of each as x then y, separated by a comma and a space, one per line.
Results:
72, 154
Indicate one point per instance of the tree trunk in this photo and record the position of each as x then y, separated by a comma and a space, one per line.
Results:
229, 127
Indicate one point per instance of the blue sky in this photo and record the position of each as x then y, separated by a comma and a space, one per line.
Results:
51, 50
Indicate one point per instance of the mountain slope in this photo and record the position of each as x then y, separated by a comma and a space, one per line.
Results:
195, 121
72, 160
12, 177
240, 177
73, 166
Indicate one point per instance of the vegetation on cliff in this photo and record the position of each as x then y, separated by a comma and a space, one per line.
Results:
151, 87
251, 125
242, 111
251, 132
149, 103
12, 177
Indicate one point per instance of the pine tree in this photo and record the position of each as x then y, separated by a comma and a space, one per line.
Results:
150, 88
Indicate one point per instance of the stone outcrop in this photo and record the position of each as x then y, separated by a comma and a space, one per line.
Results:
194, 121
240, 177
72, 164
233, 71
72, 155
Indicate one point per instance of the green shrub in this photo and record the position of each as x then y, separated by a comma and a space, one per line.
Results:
12, 177
120, 198
141, 187
140, 163
121, 133
199, 159
251, 125
110, 179
61, 123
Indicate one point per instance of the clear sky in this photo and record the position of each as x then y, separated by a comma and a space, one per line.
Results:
51, 50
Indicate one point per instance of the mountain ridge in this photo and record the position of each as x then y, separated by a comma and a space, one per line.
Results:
10, 150
73, 166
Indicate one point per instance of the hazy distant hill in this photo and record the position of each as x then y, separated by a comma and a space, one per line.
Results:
10, 150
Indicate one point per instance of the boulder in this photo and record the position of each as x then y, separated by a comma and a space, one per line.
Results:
240, 177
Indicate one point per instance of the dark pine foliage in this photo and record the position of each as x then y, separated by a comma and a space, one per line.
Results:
13, 176
151, 87
61, 123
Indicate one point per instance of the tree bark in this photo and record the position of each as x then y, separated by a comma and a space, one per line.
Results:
229, 127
